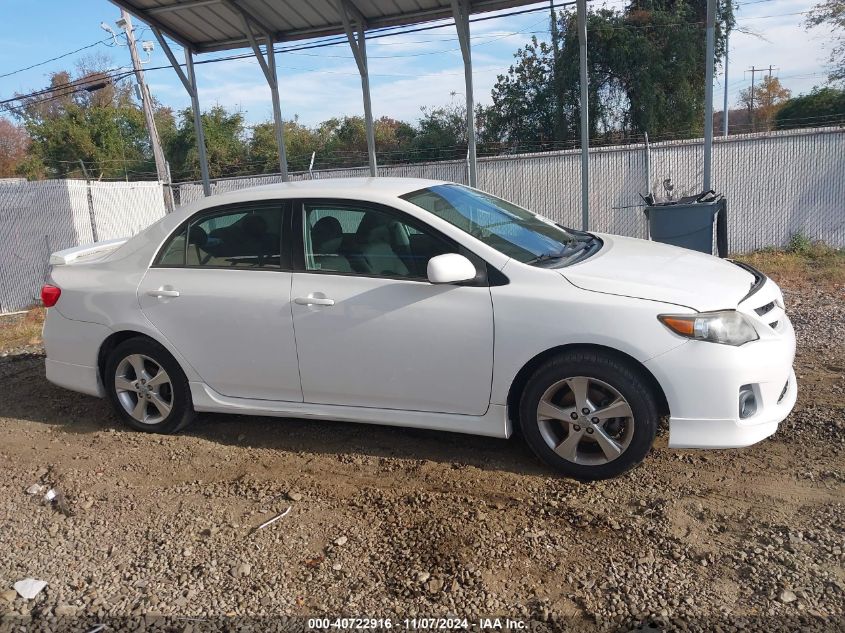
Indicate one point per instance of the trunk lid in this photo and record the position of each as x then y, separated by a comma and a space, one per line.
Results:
86, 254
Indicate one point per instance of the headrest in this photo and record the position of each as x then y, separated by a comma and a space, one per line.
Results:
372, 221
327, 228
254, 225
197, 235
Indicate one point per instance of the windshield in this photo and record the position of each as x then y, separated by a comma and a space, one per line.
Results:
506, 227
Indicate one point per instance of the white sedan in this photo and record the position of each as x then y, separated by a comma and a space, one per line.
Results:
423, 304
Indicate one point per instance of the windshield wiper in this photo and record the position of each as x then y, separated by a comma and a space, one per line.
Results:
570, 252
544, 257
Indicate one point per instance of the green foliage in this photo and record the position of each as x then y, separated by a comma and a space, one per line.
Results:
441, 134
225, 142
831, 13
104, 129
799, 243
645, 68
820, 107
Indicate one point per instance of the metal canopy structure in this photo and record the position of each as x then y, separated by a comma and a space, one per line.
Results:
215, 25
202, 26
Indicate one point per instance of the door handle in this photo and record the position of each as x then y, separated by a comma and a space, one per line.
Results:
161, 292
313, 301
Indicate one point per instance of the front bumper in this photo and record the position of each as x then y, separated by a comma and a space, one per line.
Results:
702, 381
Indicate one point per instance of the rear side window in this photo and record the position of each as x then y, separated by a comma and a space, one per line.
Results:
174, 253
243, 237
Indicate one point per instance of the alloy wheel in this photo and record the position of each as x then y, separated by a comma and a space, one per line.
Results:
585, 420
143, 389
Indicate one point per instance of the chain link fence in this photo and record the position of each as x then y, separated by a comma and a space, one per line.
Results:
777, 184
39, 218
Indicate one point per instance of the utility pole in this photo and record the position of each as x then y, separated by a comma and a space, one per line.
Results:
754, 70
147, 104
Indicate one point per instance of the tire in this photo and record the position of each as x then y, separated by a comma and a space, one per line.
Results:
155, 406
596, 445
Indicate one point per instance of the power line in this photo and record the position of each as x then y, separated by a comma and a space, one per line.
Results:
337, 40
52, 59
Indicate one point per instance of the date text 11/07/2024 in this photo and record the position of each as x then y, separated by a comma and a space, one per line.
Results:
426, 624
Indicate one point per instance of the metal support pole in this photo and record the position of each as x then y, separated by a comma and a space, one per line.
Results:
708, 92
585, 116
725, 113
195, 105
268, 67
460, 11
189, 81
358, 44
277, 113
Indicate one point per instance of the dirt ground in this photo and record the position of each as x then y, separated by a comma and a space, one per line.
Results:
402, 524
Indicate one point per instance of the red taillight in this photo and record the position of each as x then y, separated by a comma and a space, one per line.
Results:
50, 295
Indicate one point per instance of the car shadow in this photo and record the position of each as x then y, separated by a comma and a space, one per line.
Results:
29, 396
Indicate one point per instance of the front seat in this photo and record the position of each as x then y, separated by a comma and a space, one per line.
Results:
327, 245
378, 239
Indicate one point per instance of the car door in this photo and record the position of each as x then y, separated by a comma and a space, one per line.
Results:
219, 291
371, 331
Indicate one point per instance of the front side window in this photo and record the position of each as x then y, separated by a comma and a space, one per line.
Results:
509, 229
246, 237
354, 238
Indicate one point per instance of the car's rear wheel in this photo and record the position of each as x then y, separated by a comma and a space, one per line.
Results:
147, 387
589, 415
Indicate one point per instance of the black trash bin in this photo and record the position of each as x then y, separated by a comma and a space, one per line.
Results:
689, 222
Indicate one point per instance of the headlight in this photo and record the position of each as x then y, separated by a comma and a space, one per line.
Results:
727, 327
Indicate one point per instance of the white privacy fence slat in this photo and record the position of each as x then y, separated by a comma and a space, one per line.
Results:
38, 218
124, 208
777, 185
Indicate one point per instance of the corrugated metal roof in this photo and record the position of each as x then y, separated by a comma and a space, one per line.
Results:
214, 25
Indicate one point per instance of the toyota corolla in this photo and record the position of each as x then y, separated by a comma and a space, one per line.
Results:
422, 304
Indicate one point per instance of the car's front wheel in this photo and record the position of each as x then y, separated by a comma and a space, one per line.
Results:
589, 415
147, 387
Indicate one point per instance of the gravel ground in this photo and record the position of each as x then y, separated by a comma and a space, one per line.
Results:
392, 523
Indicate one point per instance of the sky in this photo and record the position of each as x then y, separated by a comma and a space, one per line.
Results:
406, 71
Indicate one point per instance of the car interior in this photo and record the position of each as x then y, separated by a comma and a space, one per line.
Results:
368, 242
251, 240
344, 240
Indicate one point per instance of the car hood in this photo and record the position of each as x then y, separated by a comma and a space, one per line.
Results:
659, 272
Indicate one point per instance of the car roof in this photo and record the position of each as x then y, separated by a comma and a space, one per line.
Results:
341, 187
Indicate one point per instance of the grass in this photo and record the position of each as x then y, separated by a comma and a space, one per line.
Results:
803, 262
20, 330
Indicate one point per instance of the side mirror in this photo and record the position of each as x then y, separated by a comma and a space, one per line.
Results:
450, 268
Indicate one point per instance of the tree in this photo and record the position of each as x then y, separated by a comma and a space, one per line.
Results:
71, 124
441, 134
764, 102
523, 109
14, 142
832, 14
646, 74
300, 141
823, 106
225, 141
